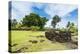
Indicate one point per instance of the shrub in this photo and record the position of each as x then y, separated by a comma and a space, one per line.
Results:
25, 28
35, 28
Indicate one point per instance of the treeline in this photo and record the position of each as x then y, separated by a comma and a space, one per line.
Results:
29, 22
35, 22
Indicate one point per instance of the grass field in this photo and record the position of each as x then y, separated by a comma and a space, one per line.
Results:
21, 42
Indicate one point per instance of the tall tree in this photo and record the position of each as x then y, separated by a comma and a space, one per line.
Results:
68, 24
55, 20
34, 20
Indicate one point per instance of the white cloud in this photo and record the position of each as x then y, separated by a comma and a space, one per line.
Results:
13, 14
16, 15
61, 10
48, 24
22, 8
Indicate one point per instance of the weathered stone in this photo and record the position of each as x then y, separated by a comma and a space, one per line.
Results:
59, 36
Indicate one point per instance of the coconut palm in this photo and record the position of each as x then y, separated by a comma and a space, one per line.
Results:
55, 20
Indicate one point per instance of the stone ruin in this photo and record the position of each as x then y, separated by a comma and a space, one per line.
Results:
59, 36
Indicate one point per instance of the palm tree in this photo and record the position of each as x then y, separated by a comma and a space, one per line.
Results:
71, 27
68, 24
55, 20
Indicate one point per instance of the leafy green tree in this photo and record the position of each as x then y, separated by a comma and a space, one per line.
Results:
70, 25
34, 20
55, 20
30, 20
42, 22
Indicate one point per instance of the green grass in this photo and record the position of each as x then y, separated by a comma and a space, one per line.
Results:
21, 39
21, 36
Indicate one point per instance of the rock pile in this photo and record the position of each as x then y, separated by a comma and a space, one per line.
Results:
60, 36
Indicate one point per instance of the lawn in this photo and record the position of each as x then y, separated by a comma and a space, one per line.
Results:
21, 42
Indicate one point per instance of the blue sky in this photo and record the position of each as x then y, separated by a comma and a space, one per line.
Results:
65, 11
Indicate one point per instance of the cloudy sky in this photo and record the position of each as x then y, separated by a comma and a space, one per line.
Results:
65, 11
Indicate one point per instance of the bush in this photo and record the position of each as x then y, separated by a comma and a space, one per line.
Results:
21, 28
25, 28
35, 28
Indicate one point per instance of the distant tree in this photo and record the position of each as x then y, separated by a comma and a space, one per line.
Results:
73, 24
55, 20
68, 24
34, 28
18, 25
34, 20
13, 23
42, 22
71, 27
